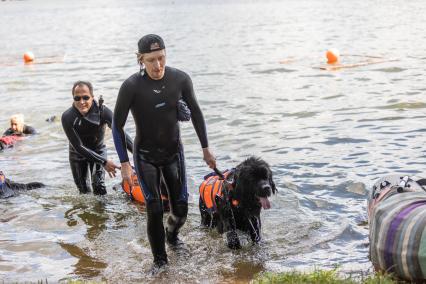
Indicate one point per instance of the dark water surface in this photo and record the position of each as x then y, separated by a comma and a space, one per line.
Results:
327, 134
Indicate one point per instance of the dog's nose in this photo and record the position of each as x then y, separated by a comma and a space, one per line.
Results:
266, 187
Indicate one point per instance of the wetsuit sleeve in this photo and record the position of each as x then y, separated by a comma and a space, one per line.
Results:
196, 114
21, 186
8, 132
77, 144
129, 143
29, 130
15, 185
121, 111
108, 117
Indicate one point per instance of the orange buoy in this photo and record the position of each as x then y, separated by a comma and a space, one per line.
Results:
333, 56
28, 57
135, 191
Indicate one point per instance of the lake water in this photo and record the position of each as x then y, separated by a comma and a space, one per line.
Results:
328, 135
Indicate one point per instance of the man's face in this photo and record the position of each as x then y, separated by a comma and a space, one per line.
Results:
82, 99
155, 63
14, 125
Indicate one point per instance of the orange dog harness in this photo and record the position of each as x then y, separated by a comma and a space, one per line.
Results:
211, 187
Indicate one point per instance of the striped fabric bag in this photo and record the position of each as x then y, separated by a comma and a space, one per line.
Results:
397, 223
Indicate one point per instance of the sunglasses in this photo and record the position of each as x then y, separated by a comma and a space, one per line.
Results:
85, 98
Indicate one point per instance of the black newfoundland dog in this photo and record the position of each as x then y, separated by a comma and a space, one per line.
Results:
233, 200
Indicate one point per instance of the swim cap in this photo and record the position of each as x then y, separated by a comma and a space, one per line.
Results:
150, 43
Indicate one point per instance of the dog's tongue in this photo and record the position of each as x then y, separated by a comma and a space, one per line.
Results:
265, 202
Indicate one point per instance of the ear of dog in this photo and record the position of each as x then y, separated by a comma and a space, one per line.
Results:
272, 183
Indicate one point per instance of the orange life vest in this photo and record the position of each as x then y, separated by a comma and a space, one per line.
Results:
211, 187
135, 191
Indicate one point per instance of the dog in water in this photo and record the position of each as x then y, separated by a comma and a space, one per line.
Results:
233, 200
9, 188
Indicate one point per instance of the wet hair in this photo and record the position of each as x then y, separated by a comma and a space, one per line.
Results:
81, 84
19, 120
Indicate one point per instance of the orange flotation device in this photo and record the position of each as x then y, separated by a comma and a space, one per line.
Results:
211, 187
135, 190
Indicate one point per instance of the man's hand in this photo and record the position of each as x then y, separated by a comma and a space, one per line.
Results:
126, 172
110, 167
209, 158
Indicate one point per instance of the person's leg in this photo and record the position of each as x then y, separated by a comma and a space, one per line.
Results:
175, 179
98, 179
149, 179
79, 169
164, 195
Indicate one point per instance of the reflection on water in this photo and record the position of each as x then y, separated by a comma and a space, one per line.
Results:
86, 266
93, 216
245, 270
328, 135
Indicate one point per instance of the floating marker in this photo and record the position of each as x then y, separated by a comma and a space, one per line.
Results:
28, 57
332, 56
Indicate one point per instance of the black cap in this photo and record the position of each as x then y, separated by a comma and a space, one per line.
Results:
150, 43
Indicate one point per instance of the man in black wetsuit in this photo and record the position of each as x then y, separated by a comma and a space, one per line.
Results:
153, 95
84, 124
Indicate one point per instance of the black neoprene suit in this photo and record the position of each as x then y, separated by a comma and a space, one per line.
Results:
87, 150
27, 130
9, 188
158, 148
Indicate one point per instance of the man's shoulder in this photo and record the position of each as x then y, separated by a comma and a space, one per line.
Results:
132, 79
177, 73
69, 113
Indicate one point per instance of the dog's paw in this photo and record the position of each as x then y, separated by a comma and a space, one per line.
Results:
233, 240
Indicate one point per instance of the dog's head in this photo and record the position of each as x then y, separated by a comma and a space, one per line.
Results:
253, 184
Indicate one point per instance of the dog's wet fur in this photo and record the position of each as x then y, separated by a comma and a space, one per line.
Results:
252, 184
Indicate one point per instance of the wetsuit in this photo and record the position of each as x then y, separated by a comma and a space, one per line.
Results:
10, 137
27, 130
9, 188
158, 149
87, 150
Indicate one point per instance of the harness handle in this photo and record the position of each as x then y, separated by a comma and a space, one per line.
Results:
219, 173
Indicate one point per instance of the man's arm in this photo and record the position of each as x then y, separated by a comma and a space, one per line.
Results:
23, 186
109, 166
9, 131
77, 144
108, 117
198, 121
121, 111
